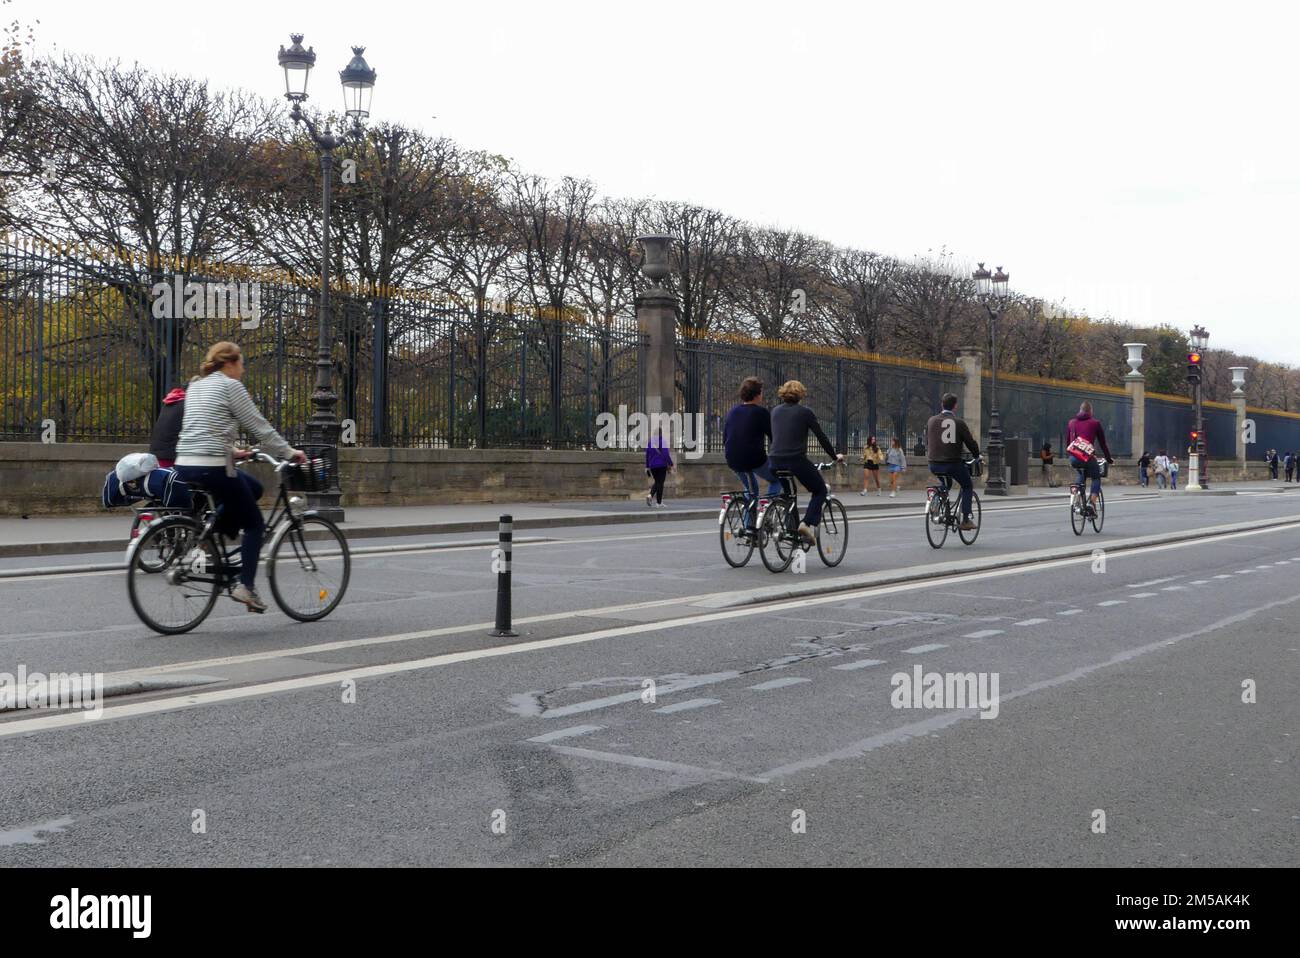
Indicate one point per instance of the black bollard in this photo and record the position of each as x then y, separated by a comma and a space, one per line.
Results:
501, 562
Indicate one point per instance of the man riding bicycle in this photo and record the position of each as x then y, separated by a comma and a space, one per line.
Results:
946, 436
747, 425
791, 423
1085, 435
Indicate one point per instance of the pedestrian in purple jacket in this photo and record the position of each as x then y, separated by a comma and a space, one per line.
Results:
658, 463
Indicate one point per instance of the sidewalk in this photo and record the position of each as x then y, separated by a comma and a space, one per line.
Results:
69, 535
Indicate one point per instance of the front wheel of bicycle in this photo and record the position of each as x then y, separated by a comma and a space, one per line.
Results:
174, 576
833, 533
1099, 518
309, 568
936, 521
737, 545
776, 548
975, 517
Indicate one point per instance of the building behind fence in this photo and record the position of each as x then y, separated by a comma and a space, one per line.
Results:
86, 347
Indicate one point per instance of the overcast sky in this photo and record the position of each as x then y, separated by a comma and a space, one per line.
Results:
1136, 159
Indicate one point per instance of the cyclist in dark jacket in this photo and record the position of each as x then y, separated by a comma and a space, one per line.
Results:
791, 423
947, 436
747, 425
168, 427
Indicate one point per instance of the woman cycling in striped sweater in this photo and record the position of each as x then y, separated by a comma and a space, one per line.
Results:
216, 406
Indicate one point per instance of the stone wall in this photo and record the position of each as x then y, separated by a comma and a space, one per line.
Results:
38, 479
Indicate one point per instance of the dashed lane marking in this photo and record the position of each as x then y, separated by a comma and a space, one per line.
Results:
1110, 602
1070, 612
983, 634
572, 732
778, 684
918, 649
1031, 622
1143, 595
859, 664
688, 704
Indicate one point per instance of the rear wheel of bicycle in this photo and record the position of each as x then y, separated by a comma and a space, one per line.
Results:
308, 568
936, 521
833, 533
976, 514
776, 549
174, 576
1099, 519
737, 547
1077, 518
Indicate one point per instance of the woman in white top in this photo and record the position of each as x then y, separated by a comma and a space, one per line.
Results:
216, 406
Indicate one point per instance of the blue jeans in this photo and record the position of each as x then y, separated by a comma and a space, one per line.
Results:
1143, 478
959, 472
1088, 470
750, 482
237, 496
812, 480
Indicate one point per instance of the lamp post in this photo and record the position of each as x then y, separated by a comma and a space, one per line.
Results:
1199, 338
358, 81
992, 289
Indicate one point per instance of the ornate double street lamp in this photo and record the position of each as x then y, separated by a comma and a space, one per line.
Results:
992, 290
358, 85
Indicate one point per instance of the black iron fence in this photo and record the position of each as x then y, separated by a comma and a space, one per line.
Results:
855, 396
90, 343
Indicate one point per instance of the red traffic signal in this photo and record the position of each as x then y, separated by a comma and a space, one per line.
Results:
1194, 359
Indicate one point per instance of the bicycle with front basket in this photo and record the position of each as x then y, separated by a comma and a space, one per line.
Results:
778, 526
941, 515
182, 563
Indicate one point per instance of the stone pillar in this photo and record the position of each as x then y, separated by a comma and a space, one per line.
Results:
656, 314
1136, 386
1239, 405
971, 361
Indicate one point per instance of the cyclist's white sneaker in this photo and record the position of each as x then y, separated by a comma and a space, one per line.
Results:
242, 593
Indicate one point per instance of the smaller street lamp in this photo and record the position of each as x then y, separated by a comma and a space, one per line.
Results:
993, 291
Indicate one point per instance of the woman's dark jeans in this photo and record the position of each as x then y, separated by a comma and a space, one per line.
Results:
237, 495
658, 490
811, 478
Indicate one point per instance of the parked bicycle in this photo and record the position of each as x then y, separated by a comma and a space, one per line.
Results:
778, 526
181, 563
1081, 510
941, 515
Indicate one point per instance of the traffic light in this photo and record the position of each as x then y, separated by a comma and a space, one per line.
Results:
1194, 368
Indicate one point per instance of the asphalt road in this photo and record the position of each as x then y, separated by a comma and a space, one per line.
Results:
1118, 691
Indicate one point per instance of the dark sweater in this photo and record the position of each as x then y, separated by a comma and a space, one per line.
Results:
167, 430
791, 423
743, 432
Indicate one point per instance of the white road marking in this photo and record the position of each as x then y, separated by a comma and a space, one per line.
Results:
1244, 571
778, 684
618, 758
1031, 622
1174, 588
1109, 602
1223, 577
572, 732
983, 634
219, 696
859, 664
1143, 595
1199, 582
937, 722
918, 649
688, 704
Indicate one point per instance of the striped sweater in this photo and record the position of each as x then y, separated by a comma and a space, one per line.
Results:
216, 407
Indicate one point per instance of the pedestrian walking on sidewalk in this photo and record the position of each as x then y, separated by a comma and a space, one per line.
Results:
1045, 454
1162, 470
1289, 462
895, 464
1272, 463
872, 459
1173, 472
658, 463
1144, 470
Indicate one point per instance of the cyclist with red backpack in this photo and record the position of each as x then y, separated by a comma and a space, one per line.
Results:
1085, 436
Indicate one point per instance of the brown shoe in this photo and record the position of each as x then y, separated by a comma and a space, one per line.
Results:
807, 535
967, 526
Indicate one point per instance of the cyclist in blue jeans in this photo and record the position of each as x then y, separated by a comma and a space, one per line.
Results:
946, 435
747, 424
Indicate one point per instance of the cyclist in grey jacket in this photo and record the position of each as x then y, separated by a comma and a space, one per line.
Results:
791, 423
216, 406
